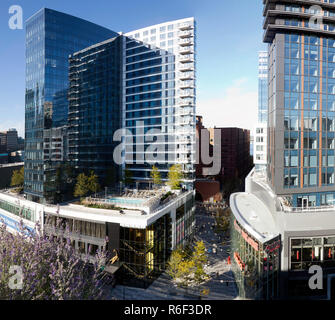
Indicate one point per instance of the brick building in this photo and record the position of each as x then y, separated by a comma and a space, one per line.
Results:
235, 152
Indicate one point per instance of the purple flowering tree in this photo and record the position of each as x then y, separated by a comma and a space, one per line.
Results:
51, 267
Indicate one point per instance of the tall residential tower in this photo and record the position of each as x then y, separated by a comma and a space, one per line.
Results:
284, 223
159, 81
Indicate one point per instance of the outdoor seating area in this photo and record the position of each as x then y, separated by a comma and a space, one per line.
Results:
143, 194
144, 200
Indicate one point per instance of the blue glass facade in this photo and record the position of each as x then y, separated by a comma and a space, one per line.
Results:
263, 87
309, 123
95, 107
51, 37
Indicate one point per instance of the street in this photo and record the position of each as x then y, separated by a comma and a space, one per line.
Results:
221, 286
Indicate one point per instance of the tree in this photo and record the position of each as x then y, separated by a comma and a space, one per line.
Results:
93, 182
17, 178
175, 176
127, 176
200, 259
155, 176
174, 263
81, 189
184, 267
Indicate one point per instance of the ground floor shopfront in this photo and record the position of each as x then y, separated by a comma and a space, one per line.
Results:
255, 264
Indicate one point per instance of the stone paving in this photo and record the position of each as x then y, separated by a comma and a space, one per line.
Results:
221, 285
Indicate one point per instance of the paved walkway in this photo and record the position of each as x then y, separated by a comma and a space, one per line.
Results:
221, 285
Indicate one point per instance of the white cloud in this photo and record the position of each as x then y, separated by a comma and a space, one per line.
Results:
18, 125
235, 107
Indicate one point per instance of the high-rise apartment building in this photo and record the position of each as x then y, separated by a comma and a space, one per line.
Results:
260, 131
284, 223
159, 101
51, 37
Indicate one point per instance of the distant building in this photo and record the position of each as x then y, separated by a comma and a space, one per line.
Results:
9, 139
235, 152
208, 190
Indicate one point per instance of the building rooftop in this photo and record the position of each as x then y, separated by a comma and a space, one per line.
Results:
254, 216
264, 214
136, 217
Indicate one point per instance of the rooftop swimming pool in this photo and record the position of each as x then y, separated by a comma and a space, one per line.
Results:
126, 201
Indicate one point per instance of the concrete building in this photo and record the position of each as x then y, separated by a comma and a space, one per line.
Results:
283, 224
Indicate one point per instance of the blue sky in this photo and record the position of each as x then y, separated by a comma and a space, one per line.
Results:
229, 38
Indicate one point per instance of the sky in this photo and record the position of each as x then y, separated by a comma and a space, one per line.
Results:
229, 36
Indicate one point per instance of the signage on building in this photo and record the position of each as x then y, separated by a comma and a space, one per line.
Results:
239, 261
246, 237
272, 247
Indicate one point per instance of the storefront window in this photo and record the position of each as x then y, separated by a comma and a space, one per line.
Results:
306, 252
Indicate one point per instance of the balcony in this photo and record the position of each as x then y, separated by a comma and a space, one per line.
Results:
186, 84
184, 112
186, 58
185, 26
185, 42
185, 93
186, 66
185, 34
186, 75
186, 50
185, 102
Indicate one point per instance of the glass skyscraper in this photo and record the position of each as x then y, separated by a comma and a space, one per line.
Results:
95, 107
51, 37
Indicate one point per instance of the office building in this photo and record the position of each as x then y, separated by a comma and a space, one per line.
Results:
284, 223
51, 37
260, 131
9, 140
